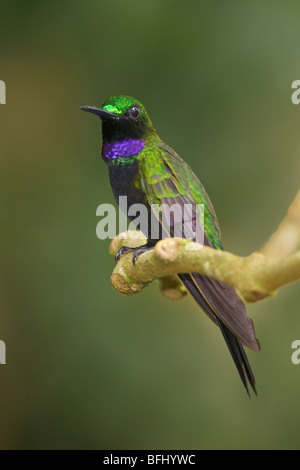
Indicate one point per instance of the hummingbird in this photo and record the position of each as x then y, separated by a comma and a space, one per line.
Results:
147, 171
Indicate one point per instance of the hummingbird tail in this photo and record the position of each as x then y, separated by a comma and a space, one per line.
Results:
212, 297
239, 357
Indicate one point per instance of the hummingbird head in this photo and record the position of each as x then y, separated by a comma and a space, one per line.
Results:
123, 117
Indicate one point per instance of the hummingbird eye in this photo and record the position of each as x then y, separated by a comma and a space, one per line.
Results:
134, 112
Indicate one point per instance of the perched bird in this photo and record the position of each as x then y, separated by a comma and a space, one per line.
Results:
146, 170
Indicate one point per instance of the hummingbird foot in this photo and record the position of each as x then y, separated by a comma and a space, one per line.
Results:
140, 250
136, 252
122, 251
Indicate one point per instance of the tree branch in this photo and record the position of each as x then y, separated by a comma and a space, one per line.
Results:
256, 276
286, 239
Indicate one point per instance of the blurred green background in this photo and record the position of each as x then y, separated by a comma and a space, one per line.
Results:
87, 367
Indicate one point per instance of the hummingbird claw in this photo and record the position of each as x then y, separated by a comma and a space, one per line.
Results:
139, 251
122, 251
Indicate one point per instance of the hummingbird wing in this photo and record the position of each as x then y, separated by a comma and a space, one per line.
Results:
168, 181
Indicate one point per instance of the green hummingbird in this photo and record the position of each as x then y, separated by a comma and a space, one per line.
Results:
149, 172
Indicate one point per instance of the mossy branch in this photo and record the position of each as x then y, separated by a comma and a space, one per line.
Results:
286, 239
256, 276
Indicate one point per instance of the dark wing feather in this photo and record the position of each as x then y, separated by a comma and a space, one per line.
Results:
229, 308
218, 300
